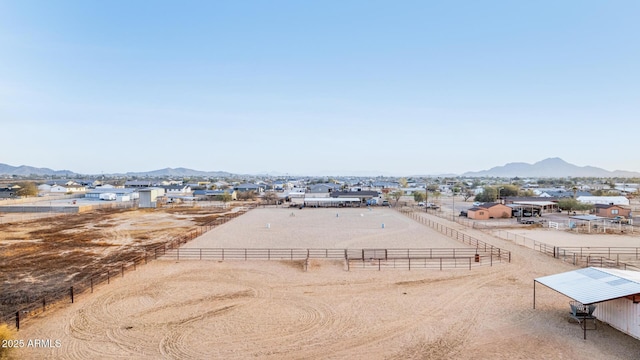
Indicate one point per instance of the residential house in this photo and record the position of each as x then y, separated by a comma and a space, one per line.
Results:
137, 184
323, 188
176, 189
122, 194
611, 210
215, 194
258, 189
489, 211
67, 189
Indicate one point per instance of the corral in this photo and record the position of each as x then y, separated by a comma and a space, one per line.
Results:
274, 309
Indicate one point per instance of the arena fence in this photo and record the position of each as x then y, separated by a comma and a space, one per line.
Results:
480, 246
609, 257
38, 303
407, 259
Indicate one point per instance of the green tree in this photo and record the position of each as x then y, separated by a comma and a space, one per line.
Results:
396, 195
488, 194
419, 196
225, 197
247, 195
436, 195
27, 189
403, 182
467, 194
571, 205
270, 198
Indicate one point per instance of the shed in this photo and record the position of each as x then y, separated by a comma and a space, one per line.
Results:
617, 293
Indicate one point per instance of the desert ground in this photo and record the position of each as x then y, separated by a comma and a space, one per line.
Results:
274, 309
45, 253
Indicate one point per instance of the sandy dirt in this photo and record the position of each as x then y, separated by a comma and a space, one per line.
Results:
275, 310
40, 257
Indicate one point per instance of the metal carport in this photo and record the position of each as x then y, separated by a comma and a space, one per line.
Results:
592, 285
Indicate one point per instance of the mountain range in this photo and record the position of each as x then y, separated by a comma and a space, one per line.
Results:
552, 167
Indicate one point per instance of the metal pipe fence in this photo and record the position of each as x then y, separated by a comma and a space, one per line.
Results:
39, 303
612, 257
459, 236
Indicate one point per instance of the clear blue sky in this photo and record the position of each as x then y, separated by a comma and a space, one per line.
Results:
334, 87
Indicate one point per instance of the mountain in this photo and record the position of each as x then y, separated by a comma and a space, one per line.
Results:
24, 170
552, 167
179, 172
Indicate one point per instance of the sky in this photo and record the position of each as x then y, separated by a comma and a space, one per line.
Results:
318, 87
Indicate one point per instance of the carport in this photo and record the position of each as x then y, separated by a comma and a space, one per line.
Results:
331, 202
588, 221
594, 285
541, 206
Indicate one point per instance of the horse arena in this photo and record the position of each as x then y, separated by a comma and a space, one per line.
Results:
295, 309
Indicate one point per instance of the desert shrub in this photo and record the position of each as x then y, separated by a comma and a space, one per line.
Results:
5, 334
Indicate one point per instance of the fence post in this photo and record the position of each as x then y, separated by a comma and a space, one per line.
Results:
378, 264
178, 255
122, 270
71, 291
92, 284
18, 320
44, 304
108, 277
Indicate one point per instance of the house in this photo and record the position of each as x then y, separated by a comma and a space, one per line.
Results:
215, 194
611, 211
250, 187
488, 211
323, 188
67, 189
137, 184
176, 189
121, 194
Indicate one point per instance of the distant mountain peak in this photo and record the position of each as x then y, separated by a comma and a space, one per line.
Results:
551, 167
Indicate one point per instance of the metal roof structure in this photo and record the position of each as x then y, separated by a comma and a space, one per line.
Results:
593, 285
535, 203
587, 217
331, 200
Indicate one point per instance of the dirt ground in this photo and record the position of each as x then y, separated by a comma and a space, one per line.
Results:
45, 255
275, 310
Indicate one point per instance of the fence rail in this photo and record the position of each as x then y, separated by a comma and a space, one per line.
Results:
221, 254
435, 263
480, 245
611, 257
